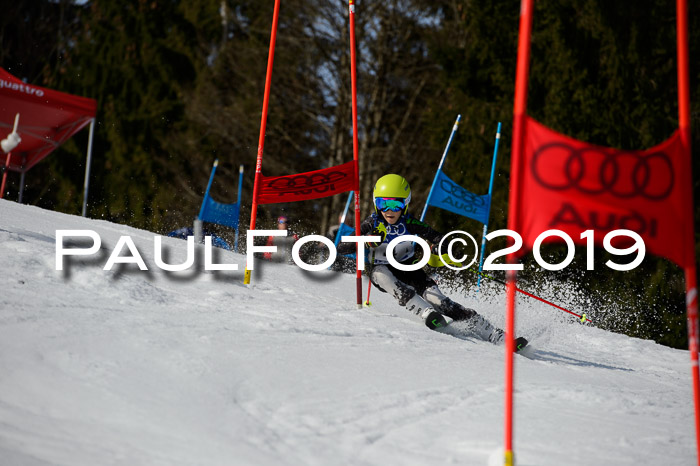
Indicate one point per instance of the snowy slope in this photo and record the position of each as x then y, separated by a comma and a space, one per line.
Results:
152, 368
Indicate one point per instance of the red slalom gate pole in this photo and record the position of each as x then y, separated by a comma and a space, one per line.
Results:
355, 147
263, 124
691, 291
519, 114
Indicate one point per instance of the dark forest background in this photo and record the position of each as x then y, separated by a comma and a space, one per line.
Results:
180, 84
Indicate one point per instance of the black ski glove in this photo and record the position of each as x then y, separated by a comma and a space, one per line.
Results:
380, 231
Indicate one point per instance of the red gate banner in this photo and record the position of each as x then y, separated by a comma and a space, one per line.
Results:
574, 186
308, 185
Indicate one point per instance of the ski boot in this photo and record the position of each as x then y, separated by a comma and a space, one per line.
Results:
498, 336
484, 330
520, 344
433, 319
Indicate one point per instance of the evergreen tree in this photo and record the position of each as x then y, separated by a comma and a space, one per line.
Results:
135, 58
602, 72
179, 84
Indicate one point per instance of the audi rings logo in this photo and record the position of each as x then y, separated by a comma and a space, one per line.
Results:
457, 191
590, 170
305, 184
396, 230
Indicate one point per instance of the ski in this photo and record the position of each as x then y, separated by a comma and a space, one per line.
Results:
438, 322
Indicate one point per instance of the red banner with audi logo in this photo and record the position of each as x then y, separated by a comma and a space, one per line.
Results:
574, 186
307, 185
559, 183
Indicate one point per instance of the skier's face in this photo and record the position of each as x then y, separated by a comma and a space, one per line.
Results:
391, 217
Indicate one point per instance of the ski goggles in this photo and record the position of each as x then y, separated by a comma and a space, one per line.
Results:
393, 204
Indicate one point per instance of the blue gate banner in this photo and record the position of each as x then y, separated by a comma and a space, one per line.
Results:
345, 230
222, 214
450, 196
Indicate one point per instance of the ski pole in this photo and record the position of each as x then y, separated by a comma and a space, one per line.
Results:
369, 288
582, 318
369, 285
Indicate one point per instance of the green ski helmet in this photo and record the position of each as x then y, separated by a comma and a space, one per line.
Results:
392, 186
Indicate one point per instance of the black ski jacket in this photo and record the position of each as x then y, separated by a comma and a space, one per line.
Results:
406, 225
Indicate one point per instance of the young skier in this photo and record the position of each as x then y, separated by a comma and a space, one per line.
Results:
414, 290
284, 243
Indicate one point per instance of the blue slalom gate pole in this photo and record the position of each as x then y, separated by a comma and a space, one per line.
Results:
206, 193
342, 219
240, 191
486, 225
442, 161
339, 234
